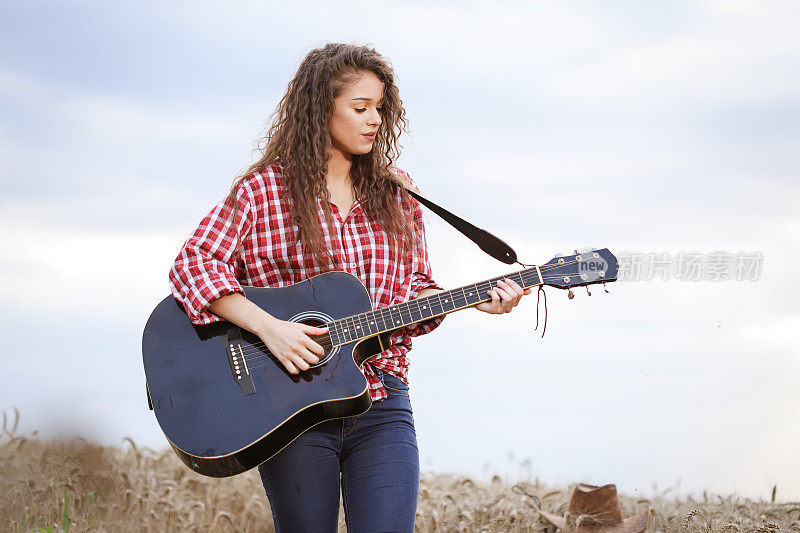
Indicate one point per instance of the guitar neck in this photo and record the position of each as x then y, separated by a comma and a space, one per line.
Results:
365, 325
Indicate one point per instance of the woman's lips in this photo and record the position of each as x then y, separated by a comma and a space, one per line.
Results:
370, 136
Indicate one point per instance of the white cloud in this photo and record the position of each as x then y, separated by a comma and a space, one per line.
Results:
543, 122
781, 331
98, 143
94, 274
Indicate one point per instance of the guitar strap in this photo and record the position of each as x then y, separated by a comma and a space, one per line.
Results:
487, 242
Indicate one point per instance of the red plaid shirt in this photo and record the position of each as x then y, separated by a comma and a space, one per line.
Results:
206, 269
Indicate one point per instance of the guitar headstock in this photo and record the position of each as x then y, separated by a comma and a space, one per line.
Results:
584, 268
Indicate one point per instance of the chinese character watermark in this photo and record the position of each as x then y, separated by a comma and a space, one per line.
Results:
718, 265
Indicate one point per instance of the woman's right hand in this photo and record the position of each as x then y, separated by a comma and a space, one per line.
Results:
292, 343
289, 342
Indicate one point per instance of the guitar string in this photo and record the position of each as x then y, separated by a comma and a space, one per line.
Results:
262, 357
254, 352
358, 318
525, 276
257, 352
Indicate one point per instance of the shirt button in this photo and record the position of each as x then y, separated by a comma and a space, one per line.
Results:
352, 265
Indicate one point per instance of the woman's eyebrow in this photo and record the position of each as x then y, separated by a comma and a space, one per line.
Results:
364, 98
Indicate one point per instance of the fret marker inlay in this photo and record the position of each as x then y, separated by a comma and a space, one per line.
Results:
396, 316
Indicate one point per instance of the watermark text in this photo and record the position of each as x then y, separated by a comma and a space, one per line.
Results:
718, 265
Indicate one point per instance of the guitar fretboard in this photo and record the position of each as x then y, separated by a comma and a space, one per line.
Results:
365, 325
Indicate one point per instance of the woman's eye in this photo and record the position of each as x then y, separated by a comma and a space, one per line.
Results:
361, 110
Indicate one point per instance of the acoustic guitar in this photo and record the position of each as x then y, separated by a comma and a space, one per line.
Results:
226, 404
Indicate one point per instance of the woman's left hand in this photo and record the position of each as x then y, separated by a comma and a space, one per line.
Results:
505, 297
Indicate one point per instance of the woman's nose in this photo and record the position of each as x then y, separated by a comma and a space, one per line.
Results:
374, 117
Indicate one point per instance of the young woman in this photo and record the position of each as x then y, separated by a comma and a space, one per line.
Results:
324, 196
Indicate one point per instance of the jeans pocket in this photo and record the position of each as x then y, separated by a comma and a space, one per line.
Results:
392, 383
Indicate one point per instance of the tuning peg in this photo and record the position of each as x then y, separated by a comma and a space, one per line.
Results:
587, 291
570, 294
604, 287
576, 251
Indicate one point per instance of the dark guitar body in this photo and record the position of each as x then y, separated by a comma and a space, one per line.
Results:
218, 426
227, 405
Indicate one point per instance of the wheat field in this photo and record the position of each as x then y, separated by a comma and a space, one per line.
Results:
75, 485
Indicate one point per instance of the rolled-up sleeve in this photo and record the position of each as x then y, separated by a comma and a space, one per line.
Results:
205, 268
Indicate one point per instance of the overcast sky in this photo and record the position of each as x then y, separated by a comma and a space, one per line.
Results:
641, 127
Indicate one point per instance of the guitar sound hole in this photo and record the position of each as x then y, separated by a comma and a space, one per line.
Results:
318, 321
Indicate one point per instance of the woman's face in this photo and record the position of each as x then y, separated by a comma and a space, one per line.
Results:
356, 115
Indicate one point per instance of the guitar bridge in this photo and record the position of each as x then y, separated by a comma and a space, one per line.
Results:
238, 362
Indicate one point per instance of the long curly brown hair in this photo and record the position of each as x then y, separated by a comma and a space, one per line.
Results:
298, 137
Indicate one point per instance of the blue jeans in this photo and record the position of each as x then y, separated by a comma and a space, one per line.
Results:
373, 457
